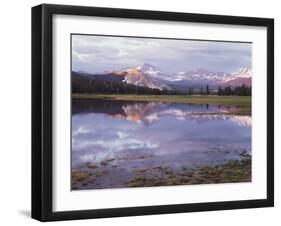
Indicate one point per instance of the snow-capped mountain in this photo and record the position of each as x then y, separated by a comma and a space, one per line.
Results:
138, 77
245, 73
243, 76
204, 77
200, 75
152, 71
145, 75
152, 77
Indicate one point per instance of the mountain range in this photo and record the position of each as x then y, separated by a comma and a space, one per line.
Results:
152, 77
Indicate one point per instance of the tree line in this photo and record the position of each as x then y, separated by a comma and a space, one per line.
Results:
236, 91
222, 91
87, 85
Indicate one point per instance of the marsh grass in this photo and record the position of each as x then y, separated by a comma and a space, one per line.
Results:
232, 171
83, 178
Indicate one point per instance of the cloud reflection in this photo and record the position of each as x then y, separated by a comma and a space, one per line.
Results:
171, 131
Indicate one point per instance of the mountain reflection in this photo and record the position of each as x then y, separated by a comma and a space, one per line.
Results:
176, 134
150, 112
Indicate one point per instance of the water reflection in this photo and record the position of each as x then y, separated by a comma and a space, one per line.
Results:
150, 112
171, 134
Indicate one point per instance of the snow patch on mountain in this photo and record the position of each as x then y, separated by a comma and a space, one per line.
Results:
152, 71
200, 76
136, 76
242, 76
147, 75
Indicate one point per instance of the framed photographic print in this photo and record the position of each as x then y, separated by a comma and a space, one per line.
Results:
145, 112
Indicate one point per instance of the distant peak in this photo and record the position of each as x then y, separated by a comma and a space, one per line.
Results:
147, 65
151, 70
245, 70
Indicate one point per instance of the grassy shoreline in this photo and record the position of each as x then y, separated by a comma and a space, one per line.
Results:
241, 102
232, 171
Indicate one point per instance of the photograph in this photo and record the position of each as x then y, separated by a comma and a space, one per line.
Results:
150, 111
140, 112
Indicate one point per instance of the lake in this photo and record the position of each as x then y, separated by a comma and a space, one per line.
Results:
119, 144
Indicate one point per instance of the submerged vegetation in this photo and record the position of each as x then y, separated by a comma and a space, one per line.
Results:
84, 177
229, 171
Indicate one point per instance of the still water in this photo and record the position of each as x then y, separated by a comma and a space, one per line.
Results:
122, 136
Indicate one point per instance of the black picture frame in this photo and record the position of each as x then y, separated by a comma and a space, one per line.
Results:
42, 107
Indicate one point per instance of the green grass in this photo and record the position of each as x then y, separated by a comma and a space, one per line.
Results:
242, 102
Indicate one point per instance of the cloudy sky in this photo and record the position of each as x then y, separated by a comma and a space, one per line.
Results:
102, 53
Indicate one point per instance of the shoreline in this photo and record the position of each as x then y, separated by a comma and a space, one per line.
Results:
231, 171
